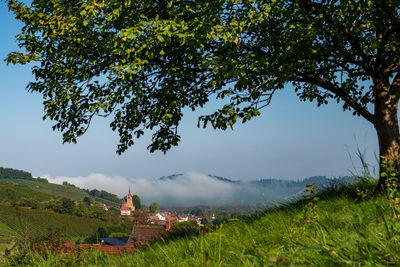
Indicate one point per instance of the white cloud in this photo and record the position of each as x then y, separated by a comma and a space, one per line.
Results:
113, 184
187, 189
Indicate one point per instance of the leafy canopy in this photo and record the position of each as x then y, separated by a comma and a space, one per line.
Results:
143, 62
154, 208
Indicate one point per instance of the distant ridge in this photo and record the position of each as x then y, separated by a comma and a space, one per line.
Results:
320, 180
251, 192
219, 178
8, 173
223, 179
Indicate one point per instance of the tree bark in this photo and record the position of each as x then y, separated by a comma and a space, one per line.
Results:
387, 128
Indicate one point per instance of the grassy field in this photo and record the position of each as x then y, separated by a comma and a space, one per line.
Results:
346, 228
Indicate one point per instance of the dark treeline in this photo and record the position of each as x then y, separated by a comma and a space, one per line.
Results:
8, 173
103, 194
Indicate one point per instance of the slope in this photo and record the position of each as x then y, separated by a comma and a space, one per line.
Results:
10, 192
41, 222
6, 236
344, 229
48, 188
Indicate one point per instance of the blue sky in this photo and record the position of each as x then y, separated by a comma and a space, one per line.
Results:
290, 140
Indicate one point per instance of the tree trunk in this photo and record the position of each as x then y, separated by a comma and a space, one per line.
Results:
387, 128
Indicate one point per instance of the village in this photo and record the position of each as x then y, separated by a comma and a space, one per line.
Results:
147, 227
127, 209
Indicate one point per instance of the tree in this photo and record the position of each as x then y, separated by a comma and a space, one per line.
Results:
140, 217
136, 201
67, 206
97, 212
28, 202
154, 208
198, 212
87, 201
144, 62
81, 210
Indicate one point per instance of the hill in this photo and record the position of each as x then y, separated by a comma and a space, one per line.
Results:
47, 188
11, 192
24, 179
17, 222
216, 177
343, 229
39, 222
8, 173
64, 190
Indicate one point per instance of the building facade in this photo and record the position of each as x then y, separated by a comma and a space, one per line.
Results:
127, 205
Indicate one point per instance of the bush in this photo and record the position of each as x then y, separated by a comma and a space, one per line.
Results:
28, 202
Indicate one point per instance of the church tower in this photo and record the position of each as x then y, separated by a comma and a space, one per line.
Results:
127, 206
129, 202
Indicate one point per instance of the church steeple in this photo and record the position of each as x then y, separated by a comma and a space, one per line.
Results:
128, 203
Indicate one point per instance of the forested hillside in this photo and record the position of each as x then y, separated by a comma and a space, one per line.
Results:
8, 173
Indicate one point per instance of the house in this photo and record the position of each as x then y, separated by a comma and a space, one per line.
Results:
160, 217
114, 241
145, 234
171, 218
182, 218
125, 211
110, 250
101, 205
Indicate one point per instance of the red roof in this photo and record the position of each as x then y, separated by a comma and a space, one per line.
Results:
124, 208
145, 233
114, 250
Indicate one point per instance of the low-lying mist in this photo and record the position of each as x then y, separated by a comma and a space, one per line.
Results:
187, 189
192, 189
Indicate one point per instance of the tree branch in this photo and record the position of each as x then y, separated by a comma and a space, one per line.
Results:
321, 82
